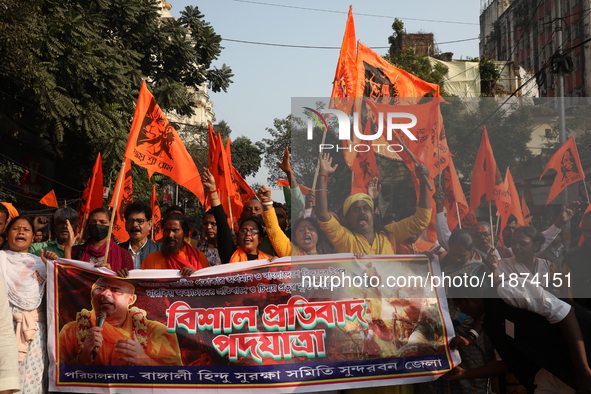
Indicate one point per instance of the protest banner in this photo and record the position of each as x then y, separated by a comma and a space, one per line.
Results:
292, 325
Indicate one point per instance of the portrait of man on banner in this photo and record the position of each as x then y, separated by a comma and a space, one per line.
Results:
115, 333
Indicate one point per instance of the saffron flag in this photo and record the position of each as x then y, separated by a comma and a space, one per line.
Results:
156, 215
507, 202
50, 200
455, 201
568, 166
245, 192
379, 78
364, 168
125, 198
345, 79
486, 178
92, 198
525, 212
515, 203
155, 145
222, 173
285, 183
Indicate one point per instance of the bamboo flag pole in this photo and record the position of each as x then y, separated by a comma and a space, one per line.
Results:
439, 165
318, 164
414, 159
586, 191
231, 216
492, 233
459, 219
114, 211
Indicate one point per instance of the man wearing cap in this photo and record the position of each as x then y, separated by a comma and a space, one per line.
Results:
359, 234
125, 337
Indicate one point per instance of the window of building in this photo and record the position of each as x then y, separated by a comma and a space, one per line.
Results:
548, 133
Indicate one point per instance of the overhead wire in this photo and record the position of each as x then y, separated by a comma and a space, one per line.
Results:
335, 47
356, 14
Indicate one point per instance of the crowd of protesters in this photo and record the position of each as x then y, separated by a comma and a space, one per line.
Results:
267, 230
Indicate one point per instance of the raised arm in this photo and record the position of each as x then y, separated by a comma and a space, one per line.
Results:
281, 243
325, 170
226, 245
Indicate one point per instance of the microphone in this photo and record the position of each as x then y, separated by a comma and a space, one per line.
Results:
101, 316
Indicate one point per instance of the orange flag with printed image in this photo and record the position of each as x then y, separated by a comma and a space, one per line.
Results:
378, 78
125, 198
486, 178
156, 215
155, 145
50, 200
345, 78
568, 166
364, 168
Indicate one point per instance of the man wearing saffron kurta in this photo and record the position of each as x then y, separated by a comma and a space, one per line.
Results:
127, 337
176, 253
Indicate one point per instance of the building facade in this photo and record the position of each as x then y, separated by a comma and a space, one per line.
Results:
525, 32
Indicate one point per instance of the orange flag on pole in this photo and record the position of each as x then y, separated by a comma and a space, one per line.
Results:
516, 209
156, 215
219, 166
378, 78
455, 201
50, 200
92, 198
568, 166
525, 212
486, 178
345, 78
155, 145
125, 198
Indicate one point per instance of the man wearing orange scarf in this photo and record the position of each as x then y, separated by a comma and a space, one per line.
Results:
176, 254
126, 336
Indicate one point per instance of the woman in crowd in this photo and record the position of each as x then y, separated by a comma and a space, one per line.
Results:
93, 250
250, 235
307, 236
474, 346
24, 275
525, 243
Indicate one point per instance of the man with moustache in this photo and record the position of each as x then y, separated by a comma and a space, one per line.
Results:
138, 223
125, 337
359, 235
61, 218
176, 254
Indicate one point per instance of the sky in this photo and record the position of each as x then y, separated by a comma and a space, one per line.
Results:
267, 77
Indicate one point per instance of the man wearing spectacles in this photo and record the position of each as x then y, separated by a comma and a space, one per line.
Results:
138, 223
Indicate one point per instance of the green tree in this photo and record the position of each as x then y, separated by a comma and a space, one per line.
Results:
509, 132
73, 71
246, 156
292, 132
